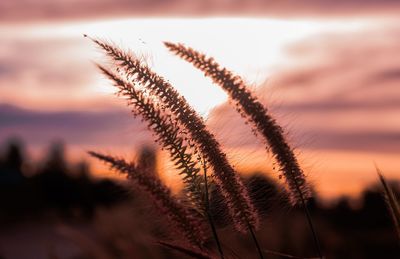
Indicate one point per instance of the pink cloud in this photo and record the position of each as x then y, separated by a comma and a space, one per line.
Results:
23, 10
342, 94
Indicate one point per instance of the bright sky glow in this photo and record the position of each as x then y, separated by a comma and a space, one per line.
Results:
253, 48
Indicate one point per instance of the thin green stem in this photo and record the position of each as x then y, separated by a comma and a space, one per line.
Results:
209, 217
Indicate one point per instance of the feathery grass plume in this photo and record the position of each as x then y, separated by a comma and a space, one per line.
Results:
240, 206
166, 130
251, 109
168, 135
192, 252
391, 202
188, 226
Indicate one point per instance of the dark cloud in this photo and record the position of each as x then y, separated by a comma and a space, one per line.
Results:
358, 70
5, 69
368, 141
390, 74
320, 134
103, 128
22, 10
389, 103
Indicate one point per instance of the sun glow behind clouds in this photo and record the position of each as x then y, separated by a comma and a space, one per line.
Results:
253, 48
310, 63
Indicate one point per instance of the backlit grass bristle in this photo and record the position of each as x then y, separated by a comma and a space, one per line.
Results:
251, 109
168, 205
168, 134
236, 196
391, 201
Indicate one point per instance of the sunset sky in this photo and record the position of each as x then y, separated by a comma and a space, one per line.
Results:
329, 71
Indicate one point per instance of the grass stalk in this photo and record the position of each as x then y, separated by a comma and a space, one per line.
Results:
251, 108
391, 202
317, 244
253, 236
209, 217
168, 205
168, 133
235, 194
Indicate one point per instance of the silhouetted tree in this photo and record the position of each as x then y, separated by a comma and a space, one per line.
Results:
11, 165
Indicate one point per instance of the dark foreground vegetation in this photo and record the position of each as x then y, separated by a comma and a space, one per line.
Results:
106, 219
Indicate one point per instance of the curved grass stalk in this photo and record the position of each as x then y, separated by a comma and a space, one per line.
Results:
168, 134
252, 109
391, 202
188, 226
235, 194
207, 211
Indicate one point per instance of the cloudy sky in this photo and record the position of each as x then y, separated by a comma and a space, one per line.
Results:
329, 71
29, 10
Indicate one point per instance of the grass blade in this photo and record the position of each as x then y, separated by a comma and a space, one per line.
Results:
391, 201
